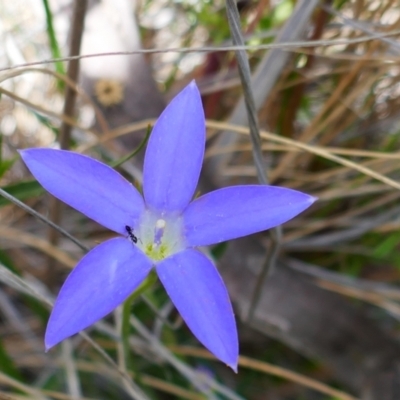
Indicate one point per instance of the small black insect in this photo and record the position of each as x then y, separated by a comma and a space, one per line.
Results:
131, 234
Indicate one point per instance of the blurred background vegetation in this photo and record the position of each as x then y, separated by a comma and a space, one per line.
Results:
323, 322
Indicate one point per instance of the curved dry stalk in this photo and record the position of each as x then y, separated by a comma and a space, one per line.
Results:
323, 152
68, 82
261, 366
185, 370
369, 296
310, 149
147, 380
45, 111
41, 217
245, 147
33, 392
30, 240
115, 133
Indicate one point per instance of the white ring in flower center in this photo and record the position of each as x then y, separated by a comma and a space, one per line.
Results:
161, 235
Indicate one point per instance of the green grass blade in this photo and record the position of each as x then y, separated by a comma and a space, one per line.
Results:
55, 49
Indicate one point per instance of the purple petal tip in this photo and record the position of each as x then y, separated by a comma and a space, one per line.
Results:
234, 367
21, 152
49, 343
47, 346
175, 152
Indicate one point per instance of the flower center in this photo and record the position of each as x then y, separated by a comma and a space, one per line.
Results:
160, 236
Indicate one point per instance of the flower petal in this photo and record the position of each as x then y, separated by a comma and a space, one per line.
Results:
198, 292
91, 187
238, 211
101, 281
175, 153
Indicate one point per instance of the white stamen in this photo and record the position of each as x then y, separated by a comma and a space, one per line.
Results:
159, 231
160, 224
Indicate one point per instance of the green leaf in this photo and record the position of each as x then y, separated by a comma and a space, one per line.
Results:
7, 365
54, 47
218, 250
7, 262
387, 246
119, 162
5, 165
46, 122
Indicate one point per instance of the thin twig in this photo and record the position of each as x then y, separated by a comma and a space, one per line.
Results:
42, 218
245, 77
74, 386
198, 381
21, 285
73, 68
289, 46
361, 26
55, 205
34, 393
31, 240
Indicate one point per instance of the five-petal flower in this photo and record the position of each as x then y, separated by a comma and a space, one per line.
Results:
167, 225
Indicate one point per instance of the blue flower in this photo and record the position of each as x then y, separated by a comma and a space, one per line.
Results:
163, 230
